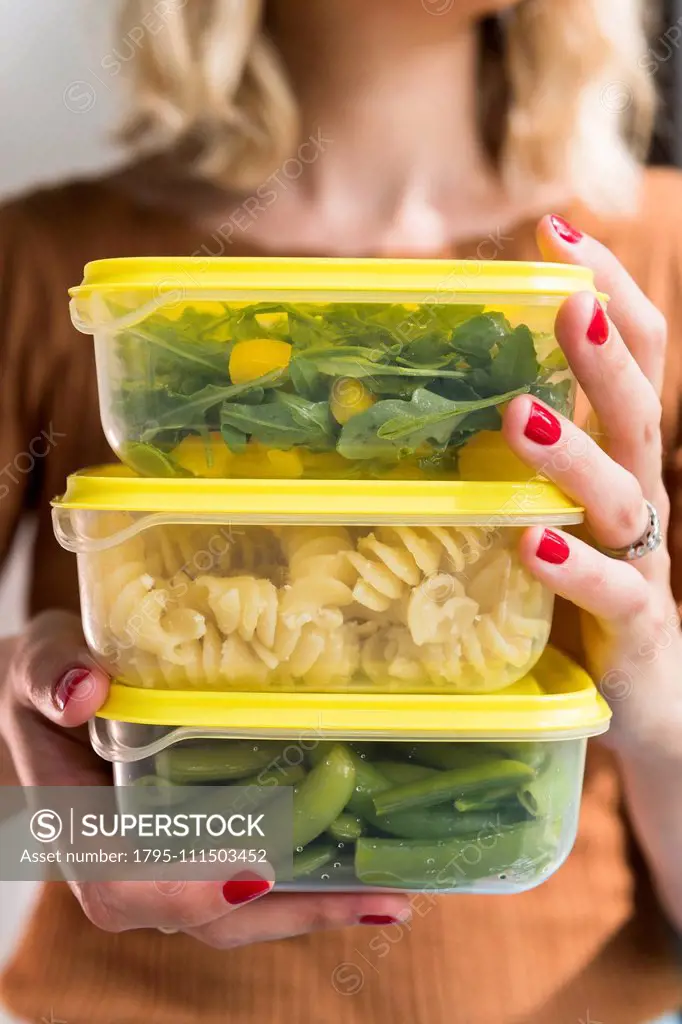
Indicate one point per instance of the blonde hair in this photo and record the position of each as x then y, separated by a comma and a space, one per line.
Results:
564, 94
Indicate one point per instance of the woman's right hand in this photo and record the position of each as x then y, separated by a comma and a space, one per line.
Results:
52, 688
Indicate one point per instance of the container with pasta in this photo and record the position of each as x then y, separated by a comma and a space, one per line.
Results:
322, 369
449, 793
375, 586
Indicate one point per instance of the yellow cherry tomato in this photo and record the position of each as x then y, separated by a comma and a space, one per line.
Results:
285, 465
488, 457
326, 465
205, 457
349, 397
251, 359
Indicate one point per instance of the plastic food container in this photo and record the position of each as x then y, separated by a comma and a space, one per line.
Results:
314, 368
308, 585
455, 793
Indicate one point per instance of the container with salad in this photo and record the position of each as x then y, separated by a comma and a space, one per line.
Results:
476, 794
322, 369
309, 586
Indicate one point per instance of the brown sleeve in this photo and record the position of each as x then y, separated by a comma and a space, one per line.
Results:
24, 356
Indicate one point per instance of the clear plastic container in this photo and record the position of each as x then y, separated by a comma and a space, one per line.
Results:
321, 369
323, 586
475, 794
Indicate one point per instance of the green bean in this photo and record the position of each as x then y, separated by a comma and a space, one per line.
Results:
402, 772
323, 794
533, 754
223, 761
491, 798
288, 775
448, 755
312, 859
335, 871
451, 784
368, 781
401, 863
442, 822
346, 828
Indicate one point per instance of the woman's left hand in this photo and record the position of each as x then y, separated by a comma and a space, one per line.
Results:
630, 625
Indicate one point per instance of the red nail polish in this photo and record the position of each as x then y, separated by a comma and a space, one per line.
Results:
553, 548
70, 684
565, 230
543, 427
598, 331
244, 887
377, 919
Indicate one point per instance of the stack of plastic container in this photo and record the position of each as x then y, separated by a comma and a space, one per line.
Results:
310, 545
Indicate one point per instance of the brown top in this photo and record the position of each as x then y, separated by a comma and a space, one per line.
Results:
588, 944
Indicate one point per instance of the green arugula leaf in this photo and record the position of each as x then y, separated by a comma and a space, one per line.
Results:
189, 412
236, 440
282, 421
148, 460
475, 339
516, 364
394, 428
354, 361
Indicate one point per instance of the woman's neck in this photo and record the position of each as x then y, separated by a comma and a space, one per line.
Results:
392, 90
387, 91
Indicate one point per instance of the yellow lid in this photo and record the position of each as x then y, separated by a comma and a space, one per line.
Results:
233, 278
507, 503
558, 700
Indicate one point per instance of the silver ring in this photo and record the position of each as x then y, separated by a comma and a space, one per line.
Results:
650, 540
168, 931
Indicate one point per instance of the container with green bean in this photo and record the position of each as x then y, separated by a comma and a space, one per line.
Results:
455, 793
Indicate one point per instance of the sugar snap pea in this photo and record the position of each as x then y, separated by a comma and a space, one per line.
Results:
346, 828
451, 784
448, 755
312, 859
222, 761
323, 794
413, 864
368, 781
273, 775
402, 772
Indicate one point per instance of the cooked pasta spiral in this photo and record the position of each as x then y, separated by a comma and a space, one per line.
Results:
397, 607
397, 558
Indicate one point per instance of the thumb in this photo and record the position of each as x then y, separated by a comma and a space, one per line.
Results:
53, 673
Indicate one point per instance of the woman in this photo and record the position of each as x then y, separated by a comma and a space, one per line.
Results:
446, 127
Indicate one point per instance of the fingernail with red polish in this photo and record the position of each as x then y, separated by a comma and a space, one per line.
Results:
564, 230
74, 683
378, 919
553, 548
598, 331
542, 426
244, 887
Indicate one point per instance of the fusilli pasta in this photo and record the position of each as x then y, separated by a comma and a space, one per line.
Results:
398, 607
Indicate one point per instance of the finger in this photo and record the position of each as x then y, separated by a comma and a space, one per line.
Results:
173, 905
640, 323
625, 402
53, 673
612, 591
286, 915
612, 497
